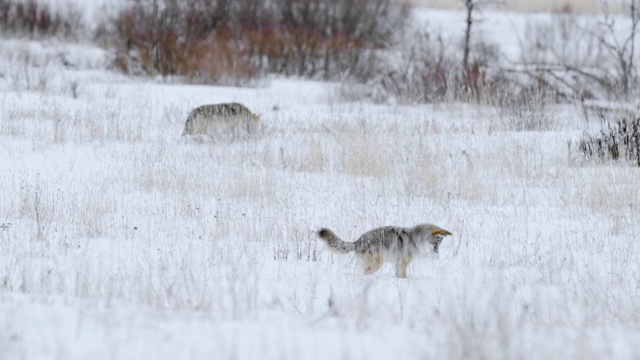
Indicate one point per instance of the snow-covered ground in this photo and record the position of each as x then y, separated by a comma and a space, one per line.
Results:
120, 239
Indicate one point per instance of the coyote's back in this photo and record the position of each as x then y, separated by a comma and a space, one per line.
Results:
389, 243
230, 119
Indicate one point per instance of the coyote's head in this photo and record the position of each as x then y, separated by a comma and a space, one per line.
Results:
241, 110
431, 234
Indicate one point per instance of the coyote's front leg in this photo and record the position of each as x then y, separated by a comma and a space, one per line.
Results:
401, 266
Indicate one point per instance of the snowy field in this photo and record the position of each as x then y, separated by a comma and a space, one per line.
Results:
120, 239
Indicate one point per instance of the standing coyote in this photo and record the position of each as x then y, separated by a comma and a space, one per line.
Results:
220, 119
388, 243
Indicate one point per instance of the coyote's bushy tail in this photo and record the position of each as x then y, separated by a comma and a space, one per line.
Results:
334, 243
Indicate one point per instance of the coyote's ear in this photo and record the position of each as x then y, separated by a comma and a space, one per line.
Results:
438, 231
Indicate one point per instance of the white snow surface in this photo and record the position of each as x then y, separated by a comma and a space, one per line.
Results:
120, 239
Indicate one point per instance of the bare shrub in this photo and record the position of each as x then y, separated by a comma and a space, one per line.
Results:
29, 71
569, 58
150, 33
170, 37
584, 59
469, 67
419, 72
220, 58
35, 19
420, 68
330, 36
217, 40
618, 139
552, 51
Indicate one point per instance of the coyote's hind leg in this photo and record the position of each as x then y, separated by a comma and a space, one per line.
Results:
373, 262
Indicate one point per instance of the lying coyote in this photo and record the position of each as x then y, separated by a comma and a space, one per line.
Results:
389, 243
221, 119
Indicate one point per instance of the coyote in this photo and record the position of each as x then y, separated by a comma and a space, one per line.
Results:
388, 243
220, 119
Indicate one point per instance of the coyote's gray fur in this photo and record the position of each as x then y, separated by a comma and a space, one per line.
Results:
221, 119
388, 243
